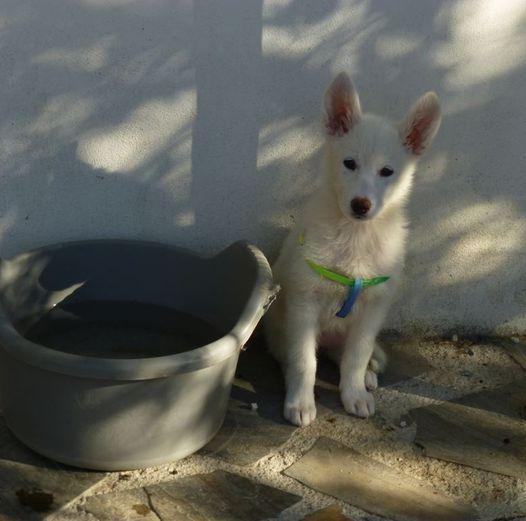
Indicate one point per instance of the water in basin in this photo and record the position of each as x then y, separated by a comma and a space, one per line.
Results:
109, 329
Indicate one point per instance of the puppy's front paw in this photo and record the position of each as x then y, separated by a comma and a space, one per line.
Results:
371, 380
300, 408
358, 402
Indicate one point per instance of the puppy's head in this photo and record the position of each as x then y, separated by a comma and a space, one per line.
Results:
371, 160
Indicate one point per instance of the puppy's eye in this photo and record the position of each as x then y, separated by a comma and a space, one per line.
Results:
350, 163
386, 171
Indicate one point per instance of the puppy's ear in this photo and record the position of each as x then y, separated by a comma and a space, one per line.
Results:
421, 124
342, 105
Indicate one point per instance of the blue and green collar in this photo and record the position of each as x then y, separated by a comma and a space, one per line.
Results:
355, 285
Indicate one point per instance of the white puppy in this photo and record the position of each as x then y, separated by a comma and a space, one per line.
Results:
355, 225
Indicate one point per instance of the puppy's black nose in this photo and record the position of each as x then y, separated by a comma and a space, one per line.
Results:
360, 206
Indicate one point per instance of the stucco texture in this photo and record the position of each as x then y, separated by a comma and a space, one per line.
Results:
197, 123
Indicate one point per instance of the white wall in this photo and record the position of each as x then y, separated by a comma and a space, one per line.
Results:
196, 123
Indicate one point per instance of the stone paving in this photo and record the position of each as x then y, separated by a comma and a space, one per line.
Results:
215, 496
448, 442
31, 485
373, 486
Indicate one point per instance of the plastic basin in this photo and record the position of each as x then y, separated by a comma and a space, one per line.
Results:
147, 400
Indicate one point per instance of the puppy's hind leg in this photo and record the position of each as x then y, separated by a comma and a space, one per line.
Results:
371, 380
377, 365
335, 354
378, 361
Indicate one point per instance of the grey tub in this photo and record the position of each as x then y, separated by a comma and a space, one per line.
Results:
114, 414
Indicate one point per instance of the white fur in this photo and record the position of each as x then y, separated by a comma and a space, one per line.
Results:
335, 238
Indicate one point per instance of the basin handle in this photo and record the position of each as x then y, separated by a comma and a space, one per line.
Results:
273, 295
